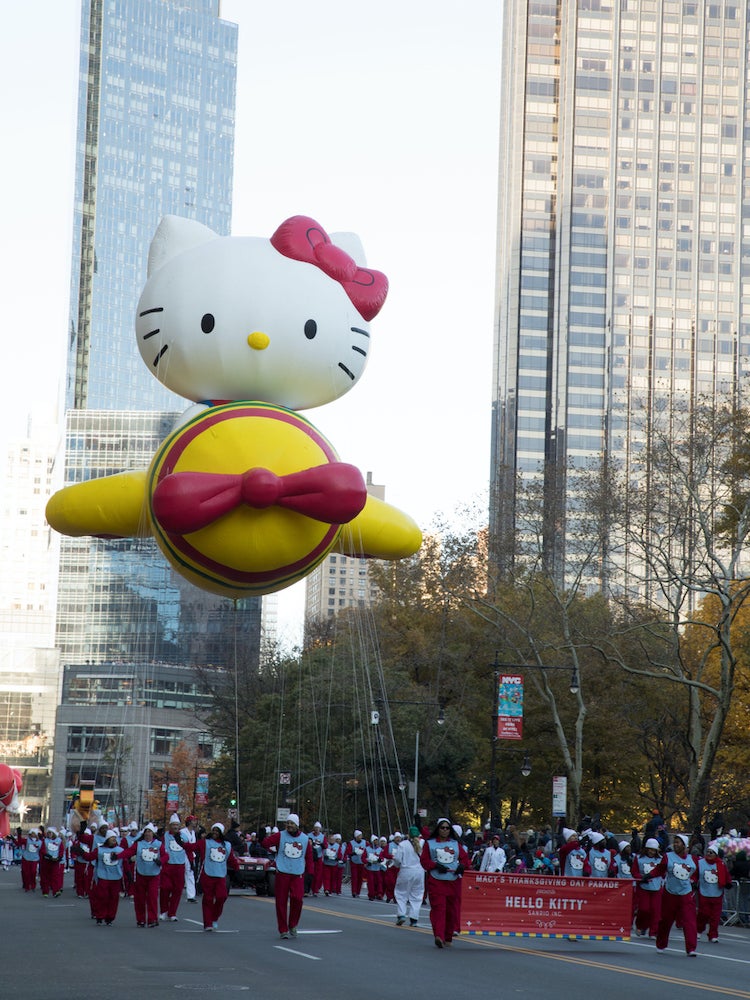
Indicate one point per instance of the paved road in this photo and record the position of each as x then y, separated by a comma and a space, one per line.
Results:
346, 950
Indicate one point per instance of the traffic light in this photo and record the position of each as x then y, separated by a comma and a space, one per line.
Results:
233, 800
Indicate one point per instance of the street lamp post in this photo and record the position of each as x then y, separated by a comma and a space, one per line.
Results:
497, 667
416, 777
375, 720
165, 789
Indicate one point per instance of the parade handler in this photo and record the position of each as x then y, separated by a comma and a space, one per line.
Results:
712, 879
444, 858
294, 860
679, 871
216, 855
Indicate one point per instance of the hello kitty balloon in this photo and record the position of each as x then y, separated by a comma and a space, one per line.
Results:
246, 496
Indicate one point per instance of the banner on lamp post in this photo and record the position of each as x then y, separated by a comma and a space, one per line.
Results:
173, 796
510, 707
201, 789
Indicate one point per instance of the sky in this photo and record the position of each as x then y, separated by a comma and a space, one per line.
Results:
380, 119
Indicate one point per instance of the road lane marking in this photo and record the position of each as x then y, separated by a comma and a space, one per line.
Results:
300, 931
302, 954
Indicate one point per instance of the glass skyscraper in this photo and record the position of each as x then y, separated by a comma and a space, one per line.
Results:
623, 280
155, 136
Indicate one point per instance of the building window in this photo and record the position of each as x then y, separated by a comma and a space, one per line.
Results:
164, 741
92, 739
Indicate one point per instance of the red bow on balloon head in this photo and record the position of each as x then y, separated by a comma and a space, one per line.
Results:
301, 238
184, 502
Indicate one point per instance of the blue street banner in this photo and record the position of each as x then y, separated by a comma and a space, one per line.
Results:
201, 788
510, 707
173, 796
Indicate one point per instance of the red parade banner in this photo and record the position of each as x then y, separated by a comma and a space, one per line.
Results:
546, 906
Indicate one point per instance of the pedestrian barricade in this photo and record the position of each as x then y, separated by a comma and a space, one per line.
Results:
736, 909
743, 902
730, 911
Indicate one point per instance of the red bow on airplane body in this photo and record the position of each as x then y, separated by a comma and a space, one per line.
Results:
184, 502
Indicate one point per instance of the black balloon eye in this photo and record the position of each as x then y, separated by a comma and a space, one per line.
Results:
207, 323
311, 328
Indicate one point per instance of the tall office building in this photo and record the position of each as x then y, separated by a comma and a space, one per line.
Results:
340, 582
155, 136
623, 274
29, 669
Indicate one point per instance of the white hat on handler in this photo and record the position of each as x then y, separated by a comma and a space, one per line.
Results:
293, 818
597, 838
149, 826
174, 818
653, 843
683, 837
568, 833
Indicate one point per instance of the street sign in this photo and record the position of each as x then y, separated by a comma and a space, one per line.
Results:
282, 815
233, 813
285, 778
559, 795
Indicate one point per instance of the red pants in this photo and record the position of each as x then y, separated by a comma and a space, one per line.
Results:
357, 874
170, 890
80, 869
389, 883
146, 899
128, 876
106, 898
290, 890
50, 876
680, 909
317, 879
28, 875
214, 896
648, 910
374, 884
445, 907
94, 895
709, 915
331, 879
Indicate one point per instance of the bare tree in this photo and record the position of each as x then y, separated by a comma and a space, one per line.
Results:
680, 528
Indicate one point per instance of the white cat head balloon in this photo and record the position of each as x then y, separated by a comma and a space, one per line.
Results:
284, 320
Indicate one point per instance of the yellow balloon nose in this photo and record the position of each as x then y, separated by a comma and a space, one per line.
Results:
259, 341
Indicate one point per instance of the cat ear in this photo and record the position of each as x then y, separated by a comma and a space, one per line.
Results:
350, 243
174, 235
